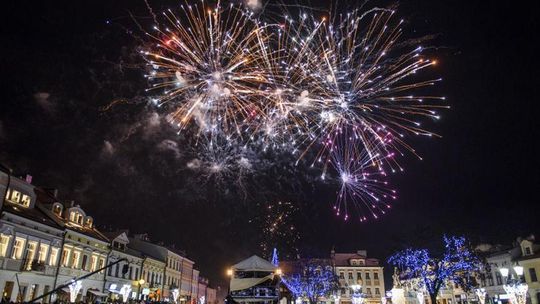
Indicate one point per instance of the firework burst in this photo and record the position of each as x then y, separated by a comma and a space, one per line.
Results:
205, 65
350, 72
341, 91
363, 185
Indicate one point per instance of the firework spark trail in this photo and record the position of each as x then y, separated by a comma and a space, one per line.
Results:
340, 91
206, 64
362, 179
276, 222
347, 73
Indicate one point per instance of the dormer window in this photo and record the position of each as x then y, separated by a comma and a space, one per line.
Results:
357, 262
528, 250
18, 198
76, 217
89, 222
57, 209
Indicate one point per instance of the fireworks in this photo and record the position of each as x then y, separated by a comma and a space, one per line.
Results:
205, 66
362, 180
279, 231
341, 91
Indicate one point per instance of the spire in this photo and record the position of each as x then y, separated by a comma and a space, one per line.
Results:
274, 260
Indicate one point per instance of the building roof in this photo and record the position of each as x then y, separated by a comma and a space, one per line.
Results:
254, 263
343, 259
34, 214
45, 200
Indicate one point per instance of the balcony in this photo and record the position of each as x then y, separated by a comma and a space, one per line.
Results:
26, 265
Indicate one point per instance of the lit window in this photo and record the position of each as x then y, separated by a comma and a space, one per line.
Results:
93, 263
30, 254
89, 222
76, 217
75, 259
65, 257
43, 249
4, 241
14, 196
101, 263
25, 200
18, 248
53, 257
57, 209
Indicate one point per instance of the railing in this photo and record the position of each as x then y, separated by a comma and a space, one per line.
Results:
27, 265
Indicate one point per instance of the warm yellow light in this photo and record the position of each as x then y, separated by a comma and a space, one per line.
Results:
141, 281
278, 271
229, 272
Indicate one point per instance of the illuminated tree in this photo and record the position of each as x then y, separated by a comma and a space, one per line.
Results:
311, 279
458, 264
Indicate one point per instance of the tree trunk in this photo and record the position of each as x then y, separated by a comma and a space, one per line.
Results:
433, 298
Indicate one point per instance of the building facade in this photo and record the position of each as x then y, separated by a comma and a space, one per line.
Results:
358, 269
117, 283
46, 243
84, 250
30, 244
530, 261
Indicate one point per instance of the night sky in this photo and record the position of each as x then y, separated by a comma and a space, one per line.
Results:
63, 63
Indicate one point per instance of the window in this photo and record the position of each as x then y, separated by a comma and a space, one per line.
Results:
4, 242
377, 292
136, 273
490, 279
376, 276
14, 196
30, 254
528, 250
350, 276
75, 259
76, 217
65, 257
116, 270
84, 262
369, 291
25, 200
341, 275
43, 250
359, 276
130, 273
18, 248
498, 278
53, 257
93, 263
101, 263
367, 276
57, 209
532, 273
89, 221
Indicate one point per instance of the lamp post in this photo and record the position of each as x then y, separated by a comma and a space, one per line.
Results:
357, 294
514, 287
141, 282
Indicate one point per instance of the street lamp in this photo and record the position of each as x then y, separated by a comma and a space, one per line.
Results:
514, 287
141, 282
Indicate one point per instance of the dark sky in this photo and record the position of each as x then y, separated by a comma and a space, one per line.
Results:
122, 164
